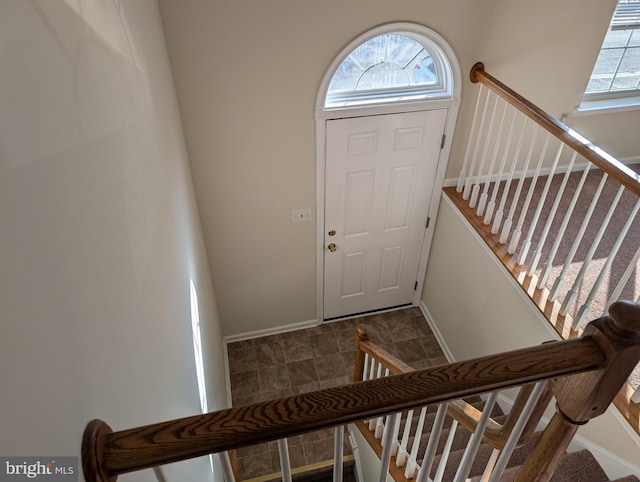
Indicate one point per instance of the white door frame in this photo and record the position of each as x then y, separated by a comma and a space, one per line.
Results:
322, 115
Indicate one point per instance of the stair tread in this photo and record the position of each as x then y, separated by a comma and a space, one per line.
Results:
574, 466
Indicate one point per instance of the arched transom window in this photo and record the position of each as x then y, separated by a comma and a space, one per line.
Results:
392, 67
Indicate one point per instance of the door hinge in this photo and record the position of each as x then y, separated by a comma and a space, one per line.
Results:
444, 138
415, 286
428, 221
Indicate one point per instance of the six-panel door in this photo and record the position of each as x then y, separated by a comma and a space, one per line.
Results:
379, 179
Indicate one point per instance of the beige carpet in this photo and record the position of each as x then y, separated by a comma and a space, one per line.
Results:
620, 262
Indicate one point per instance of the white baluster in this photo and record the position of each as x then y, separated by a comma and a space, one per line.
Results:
402, 454
631, 267
469, 181
444, 456
157, 471
585, 222
368, 366
338, 453
525, 209
547, 227
476, 439
505, 193
225, 464
384, 426
546, 271
491, 463
573, 292
584, 309
492, 204
516, 432
285, 464
375, 372
432, 445
524, 251
635, 398
394, 438
410, 469
380, 425
365, 369
387, 445
483, 159
487, 181
506, 230
472, 132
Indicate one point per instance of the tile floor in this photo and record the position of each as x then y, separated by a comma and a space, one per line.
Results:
314, 358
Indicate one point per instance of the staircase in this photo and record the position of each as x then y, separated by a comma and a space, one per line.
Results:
577, 466
458, 457
586, 373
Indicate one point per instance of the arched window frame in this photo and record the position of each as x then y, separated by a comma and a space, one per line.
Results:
448, 72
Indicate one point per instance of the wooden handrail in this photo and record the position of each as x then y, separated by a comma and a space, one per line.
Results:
365, 345
495, 434
613, 167
105, 453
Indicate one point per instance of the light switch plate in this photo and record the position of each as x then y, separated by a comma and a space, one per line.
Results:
300, 215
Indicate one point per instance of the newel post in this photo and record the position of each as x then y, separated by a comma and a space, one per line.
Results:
358, 368
587, 395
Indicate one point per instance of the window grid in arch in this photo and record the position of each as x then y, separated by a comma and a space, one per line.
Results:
387, 68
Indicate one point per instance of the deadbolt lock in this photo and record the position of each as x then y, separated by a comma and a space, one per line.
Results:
332, 247
332, 232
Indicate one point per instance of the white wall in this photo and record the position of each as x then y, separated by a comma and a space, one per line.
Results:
247, 75
100, 233
478, 318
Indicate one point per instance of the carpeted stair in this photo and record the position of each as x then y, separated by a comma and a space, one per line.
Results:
579, 466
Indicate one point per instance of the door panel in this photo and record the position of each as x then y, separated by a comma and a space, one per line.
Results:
379, 178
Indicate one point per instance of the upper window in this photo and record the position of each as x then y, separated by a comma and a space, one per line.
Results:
617, 70
388, 68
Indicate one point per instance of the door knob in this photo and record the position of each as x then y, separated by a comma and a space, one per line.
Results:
332, 247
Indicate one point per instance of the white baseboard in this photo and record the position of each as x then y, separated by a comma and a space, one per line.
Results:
545, 171
436, 332
630, 160
270, 331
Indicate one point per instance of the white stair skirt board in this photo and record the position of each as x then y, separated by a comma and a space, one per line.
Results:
368, 463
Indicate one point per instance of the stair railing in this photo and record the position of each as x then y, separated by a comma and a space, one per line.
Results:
593, 366
520, 169
374, 362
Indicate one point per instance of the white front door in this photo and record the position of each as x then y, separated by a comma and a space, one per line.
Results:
379, 179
